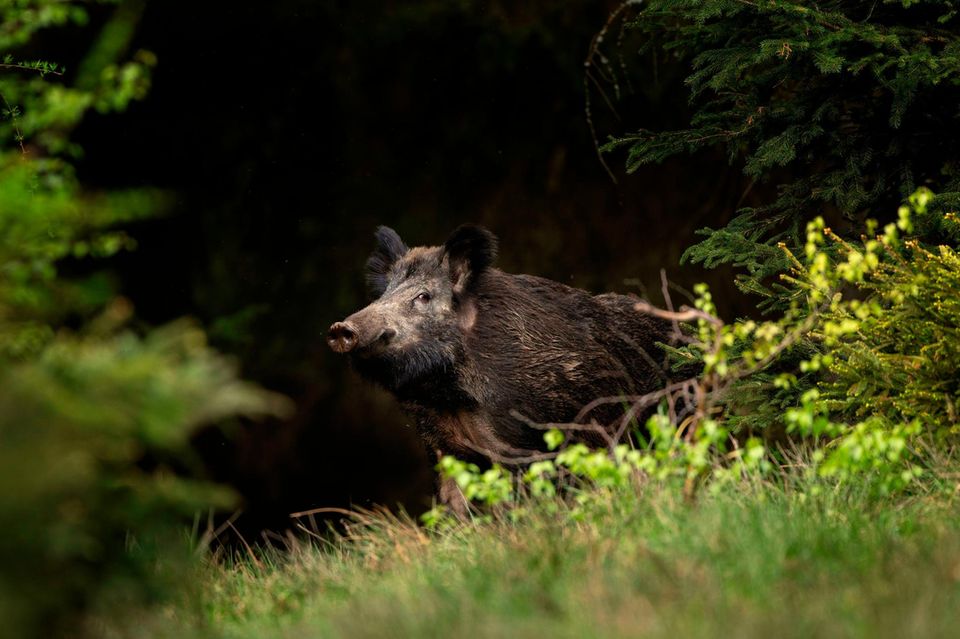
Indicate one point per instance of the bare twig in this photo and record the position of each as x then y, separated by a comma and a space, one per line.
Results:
588, 78
317, 511
210, 533
686, 314
668, 300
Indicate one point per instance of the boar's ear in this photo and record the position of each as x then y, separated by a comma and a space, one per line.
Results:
389, 249
469, 249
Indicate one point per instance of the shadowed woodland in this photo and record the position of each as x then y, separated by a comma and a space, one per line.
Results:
285, 155
188, 199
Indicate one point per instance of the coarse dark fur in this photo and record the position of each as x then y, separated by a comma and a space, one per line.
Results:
478, 356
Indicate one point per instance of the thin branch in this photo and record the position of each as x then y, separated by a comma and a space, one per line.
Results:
26, 67
210, 533
588, 77
686, 314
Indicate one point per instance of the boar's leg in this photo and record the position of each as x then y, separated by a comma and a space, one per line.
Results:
449, 494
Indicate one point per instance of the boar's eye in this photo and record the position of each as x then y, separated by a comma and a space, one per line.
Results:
422, 298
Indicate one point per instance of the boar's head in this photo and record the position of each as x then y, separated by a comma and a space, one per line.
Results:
412, 333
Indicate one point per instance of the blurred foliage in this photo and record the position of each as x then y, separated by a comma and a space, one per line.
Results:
845, 105
45, 218
95, 417
94, 434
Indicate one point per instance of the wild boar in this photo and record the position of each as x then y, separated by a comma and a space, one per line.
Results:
480, 357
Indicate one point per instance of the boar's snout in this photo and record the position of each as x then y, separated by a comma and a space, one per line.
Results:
348, 335
342, 337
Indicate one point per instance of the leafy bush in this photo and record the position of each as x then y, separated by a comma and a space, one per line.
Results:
901, 363
888, 359
95, 417
94, 503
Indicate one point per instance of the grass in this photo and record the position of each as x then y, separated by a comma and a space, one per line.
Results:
753, 561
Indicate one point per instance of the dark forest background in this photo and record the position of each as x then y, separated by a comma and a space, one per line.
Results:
287, 131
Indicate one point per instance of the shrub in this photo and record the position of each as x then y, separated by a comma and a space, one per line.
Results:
94, 502
96, 486
901, 363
